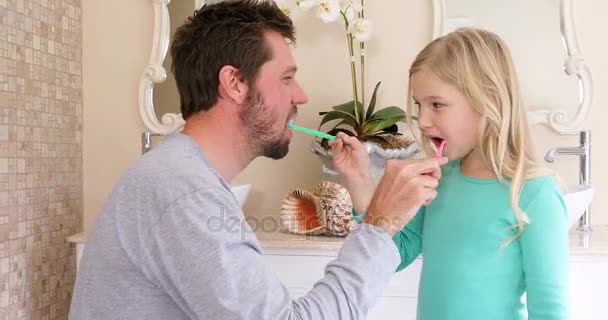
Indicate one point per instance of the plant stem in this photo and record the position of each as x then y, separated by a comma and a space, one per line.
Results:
353, 72
362, 54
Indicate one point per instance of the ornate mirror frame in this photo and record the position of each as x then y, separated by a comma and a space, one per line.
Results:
558, 120
156, 73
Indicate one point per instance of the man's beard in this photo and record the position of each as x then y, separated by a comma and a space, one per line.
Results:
259, 123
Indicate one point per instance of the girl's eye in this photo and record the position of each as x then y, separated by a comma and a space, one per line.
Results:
416, 104
438, 105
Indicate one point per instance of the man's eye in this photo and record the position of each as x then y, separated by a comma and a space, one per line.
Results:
288, 78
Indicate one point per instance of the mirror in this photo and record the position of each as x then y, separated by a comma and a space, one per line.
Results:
555, 83
158, 97
165, 95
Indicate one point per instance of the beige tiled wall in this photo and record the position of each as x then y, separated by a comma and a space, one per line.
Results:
40, 155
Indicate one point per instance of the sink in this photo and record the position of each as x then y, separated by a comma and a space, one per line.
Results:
240, 193
578, 199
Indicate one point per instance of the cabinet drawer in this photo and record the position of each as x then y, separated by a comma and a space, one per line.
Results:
386, 308
299, 274
394, 308
405, 282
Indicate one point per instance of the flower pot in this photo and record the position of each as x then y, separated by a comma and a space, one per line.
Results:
378, 157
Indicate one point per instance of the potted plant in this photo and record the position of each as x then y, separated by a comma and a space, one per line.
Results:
376, 128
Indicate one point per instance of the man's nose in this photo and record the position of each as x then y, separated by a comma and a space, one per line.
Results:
299, 96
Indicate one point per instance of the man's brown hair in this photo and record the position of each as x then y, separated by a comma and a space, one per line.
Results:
220, 34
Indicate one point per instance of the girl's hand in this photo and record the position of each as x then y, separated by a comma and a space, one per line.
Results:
353, 164
352, 161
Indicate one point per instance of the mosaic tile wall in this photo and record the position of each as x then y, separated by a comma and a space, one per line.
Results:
40, 155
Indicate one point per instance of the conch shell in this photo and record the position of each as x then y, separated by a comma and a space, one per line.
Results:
326, 211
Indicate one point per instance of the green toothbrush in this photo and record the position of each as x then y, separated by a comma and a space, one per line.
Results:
311, 131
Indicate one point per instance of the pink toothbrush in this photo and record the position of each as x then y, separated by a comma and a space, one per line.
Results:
439, 153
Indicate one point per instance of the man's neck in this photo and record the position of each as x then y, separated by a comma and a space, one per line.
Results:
220, 138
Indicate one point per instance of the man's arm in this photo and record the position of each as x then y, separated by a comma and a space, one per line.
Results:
213, 271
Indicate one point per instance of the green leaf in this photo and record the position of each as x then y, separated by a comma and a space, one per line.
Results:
391, 129
343, 122
347, 107
335, 131
388, 112
372, 103
380, 124
334, 115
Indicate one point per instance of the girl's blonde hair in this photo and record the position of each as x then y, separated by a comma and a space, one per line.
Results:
479, 64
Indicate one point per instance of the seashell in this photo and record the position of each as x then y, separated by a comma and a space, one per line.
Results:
335, 208
299, 213
326, 211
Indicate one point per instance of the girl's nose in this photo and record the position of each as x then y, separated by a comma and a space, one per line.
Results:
424, 120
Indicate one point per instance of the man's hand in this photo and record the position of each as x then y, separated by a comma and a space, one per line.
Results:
405, 187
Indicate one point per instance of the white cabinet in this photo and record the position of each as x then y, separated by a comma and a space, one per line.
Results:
299, 269
589, 287
300, 262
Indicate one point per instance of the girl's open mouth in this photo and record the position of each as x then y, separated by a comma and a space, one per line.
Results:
437, 141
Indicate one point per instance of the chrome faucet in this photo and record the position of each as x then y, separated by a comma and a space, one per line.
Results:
584, 153
146, 140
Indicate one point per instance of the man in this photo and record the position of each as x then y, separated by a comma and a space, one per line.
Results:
153, 253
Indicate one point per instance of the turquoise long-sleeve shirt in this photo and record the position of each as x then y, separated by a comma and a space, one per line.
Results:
466, 274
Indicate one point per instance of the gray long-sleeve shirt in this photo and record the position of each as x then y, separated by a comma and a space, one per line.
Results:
172, 243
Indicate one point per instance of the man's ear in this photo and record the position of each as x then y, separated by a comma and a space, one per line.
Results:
231, 85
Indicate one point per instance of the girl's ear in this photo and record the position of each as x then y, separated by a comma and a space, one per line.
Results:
231, 85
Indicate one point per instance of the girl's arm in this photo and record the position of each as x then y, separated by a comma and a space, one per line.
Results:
544, 245
353, 164
409, 240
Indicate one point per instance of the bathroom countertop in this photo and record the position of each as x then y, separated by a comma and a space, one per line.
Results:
272, 240
594, 243
281, 240
77, 238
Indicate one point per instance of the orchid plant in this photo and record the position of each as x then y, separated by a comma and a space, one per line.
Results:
355, 119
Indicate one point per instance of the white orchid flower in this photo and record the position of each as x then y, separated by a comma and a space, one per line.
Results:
352, 4
328, 10
361, 29
307, 4
289, 7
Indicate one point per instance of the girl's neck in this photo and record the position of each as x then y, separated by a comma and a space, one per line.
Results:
472, 165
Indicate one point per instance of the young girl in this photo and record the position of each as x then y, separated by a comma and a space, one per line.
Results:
498, 227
